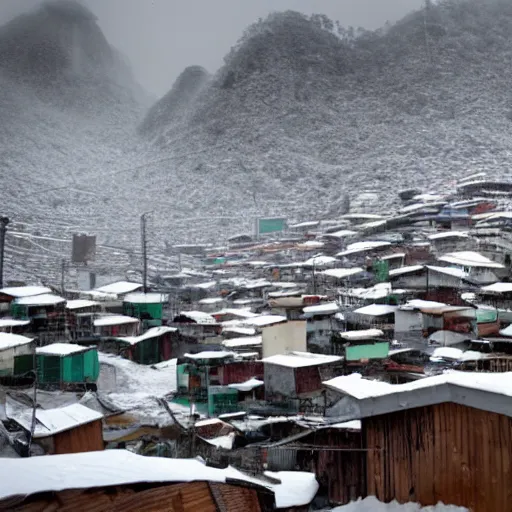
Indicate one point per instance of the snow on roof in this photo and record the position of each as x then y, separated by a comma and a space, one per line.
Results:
428, 197
81, 303
205, 286
240, 312
454, 272
342, 233
210, 354
507, 331
378, 291
154, 332
94, 294
297, 488
308, 224
422, 304
264, 320
107, 320
313, 244
54, 473
450, 353
373, 224
211, 300
253, 284
342, 273
354, 385
199, 317
376, 397
495, 216
61, 349
448, 234
46, 299
361, 216
248, 385
119, 288
137, 385
319, 261
362, 247
322, 309
301, 359
497, 288
472, 177
365, 334
350, 425
25, 291
376, 310
446, 338
393, 256
470, 259
246, 341
53, 421
372, 504
236, 329
145, 298
12, 322
405, 270
8, 340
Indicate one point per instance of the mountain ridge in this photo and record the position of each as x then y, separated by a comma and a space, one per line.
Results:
303, 112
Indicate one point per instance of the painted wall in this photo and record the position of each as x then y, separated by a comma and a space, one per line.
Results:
284, 338
370, 351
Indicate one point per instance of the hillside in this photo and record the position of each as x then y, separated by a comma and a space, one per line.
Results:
302, 111
69, 108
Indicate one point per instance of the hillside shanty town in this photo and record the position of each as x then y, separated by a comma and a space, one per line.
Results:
363, 360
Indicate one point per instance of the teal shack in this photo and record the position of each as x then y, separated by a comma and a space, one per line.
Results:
147, 307
66, 365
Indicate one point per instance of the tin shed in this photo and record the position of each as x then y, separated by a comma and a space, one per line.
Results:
66, 363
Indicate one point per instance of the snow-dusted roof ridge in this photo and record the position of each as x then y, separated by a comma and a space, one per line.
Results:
54, 473
487, 391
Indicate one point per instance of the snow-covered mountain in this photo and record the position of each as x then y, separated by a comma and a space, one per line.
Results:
301, 112
69, 110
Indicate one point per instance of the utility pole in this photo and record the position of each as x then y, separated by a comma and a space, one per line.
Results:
144, 244
62, 277
4, 221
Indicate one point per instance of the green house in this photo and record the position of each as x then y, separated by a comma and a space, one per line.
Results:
147, 307
376, 350
65, 363
222, 400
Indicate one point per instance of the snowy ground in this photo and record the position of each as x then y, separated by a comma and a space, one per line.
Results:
371, 504
136, 388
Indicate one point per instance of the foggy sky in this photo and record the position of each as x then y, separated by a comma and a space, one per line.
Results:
162, 37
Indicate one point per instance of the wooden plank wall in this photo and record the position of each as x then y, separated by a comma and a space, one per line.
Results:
341, 474
187, 497
447, 452
86, 438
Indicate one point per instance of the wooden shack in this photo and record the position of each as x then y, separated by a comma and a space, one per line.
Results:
115, 326
117, 480
154, 346
298, 376
446, 438
334, 453
70, 429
